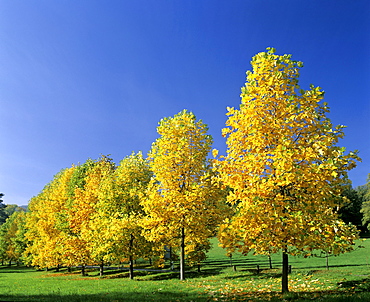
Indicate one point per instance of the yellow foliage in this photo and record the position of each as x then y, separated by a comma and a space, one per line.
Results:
283, 164
183, 193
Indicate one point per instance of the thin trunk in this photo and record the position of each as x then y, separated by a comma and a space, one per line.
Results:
69, 269
198, 267
270, 261
182, 255
57, 268
101, 269
131, 258
171, 260
131, 270
10, 262
327, 261
83, 270
284, 277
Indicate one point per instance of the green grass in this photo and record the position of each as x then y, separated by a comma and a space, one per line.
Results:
348, 279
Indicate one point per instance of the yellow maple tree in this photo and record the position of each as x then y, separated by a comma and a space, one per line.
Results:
283, 165
116, 223
183, 204
45, 223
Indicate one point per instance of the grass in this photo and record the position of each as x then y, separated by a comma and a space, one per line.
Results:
348, 279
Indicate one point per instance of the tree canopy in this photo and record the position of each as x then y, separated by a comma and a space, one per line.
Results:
183, 205
283, 165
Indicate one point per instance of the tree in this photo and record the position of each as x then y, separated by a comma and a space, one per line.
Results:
3, 215
47, 226
12, 240
11, 208
283, 165
116, 222
184, 201
364, 193
350, 212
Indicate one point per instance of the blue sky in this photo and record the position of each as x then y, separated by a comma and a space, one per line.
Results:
84, 78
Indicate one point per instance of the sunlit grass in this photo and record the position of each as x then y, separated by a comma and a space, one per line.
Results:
346, 280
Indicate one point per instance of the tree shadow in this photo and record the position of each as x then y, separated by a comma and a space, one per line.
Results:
330, 266
166, 296
175, 275
16, 269
261, 274
359, 285
158, 295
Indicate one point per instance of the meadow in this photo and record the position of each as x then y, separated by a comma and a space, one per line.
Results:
347, 279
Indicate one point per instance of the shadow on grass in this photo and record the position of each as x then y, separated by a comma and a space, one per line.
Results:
175, 275
238, 262
358, 285
16, 269
163, 295
159, 295
262, 274
327, 296
141, 275
330, 266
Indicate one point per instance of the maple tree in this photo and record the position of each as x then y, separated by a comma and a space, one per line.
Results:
183, 204
46, 225
116, 222
12, 240
283, 165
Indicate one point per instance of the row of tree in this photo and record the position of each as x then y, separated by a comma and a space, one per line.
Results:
278, 188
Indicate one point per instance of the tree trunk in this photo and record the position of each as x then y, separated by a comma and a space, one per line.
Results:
131, 258
270, 261
83, 270
171, 260
327, 261
57, 268
69, 269
101, 269
131, 268
284, 277
182, 255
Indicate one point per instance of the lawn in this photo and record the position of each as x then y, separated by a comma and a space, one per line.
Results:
346, 280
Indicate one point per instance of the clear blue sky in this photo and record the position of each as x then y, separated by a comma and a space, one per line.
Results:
84, 78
